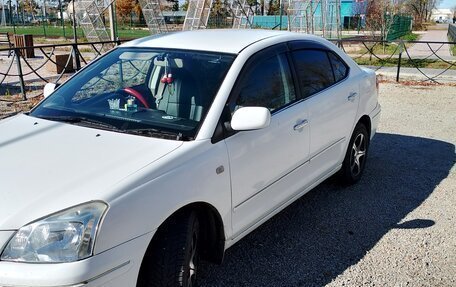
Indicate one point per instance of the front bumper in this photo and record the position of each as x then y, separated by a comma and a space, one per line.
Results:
118, 266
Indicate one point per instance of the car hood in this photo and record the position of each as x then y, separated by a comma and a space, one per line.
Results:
47, 166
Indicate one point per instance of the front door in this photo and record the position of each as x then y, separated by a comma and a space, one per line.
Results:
266, 165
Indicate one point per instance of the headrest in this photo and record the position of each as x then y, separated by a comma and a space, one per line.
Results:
174, 63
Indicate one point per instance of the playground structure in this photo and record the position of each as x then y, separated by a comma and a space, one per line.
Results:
198, 13
319, 17
89, 15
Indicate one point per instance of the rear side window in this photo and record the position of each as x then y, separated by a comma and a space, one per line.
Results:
314, 71
339, 67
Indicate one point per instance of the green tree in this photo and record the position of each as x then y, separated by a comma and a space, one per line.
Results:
380, 17
184, 6
138, 11
219, 14
171, 5
421, 10
274, 7
124, 8
29, 6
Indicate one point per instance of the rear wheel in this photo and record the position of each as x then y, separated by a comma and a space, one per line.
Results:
355, 157
173, 257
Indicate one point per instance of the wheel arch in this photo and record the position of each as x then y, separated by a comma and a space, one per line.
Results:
366, 121
212, 228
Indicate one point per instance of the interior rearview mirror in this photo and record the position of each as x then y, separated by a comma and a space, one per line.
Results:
250, 118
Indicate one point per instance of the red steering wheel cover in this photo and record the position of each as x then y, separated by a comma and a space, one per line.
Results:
137, 95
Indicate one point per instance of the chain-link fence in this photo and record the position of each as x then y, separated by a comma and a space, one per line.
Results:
401, 26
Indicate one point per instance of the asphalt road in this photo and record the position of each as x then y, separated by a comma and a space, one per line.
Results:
397, 227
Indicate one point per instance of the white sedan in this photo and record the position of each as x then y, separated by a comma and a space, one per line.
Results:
172, 148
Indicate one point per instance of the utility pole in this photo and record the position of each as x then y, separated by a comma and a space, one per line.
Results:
11, 17
112, 27
44, 18
280, 13
75, 36
3, 23
62, 20
338, 20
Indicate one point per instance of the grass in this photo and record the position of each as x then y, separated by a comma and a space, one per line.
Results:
410, 37
132, 33
51, 31
57, 32
391, 48
420, 63
452, 47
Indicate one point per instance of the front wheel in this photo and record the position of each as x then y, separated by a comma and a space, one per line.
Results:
173, 257
355, 157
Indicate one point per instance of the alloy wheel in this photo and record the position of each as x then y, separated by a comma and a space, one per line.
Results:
358, 154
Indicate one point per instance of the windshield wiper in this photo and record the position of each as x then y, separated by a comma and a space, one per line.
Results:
150, 132
158, 133
83, 120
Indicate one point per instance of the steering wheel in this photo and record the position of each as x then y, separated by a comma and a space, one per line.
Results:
137, 95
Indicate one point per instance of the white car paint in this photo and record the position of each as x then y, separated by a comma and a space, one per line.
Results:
48, 166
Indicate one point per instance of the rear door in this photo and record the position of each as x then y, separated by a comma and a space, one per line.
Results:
332, 101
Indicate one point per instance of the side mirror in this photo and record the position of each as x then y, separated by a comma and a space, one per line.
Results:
250, 118
48, 89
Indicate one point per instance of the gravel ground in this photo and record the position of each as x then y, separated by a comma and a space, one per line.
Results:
397, 227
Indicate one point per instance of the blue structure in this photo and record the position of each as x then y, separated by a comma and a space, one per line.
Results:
353, 13
270, 22
351, 16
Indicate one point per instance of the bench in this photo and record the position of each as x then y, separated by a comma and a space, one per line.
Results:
5, 40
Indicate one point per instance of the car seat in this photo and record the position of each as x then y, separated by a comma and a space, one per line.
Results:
181, 97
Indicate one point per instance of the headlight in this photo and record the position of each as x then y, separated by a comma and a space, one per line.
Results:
66, 236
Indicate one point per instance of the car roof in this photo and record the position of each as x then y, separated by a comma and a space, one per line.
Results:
214, 40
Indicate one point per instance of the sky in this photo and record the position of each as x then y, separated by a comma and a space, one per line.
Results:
447, 4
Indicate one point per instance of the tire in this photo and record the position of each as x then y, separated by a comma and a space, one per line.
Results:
355, 157
173, 257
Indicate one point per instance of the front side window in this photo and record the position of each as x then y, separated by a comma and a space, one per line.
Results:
314, 71
142, 91
267, 83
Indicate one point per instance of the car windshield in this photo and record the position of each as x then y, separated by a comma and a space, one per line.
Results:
150, 92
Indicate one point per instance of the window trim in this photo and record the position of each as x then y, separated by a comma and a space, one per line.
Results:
325, 51
347, 73
301, 45
273, 51
222, 131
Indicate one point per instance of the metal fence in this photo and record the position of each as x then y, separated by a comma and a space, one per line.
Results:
22, 75
452, 32
430, 65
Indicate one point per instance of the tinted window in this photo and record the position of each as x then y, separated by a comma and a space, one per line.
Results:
339, 67
314, 71
267, 84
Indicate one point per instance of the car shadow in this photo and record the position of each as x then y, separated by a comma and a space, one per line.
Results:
332, 227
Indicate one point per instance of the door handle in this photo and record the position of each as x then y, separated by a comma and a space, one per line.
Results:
300, 125
352, 96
